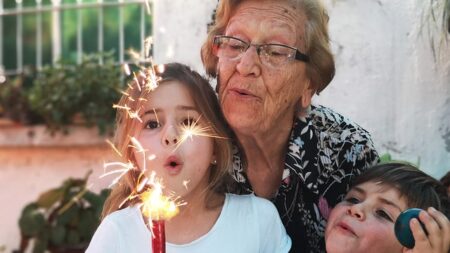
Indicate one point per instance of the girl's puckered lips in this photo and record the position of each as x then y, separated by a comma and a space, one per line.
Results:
173, 165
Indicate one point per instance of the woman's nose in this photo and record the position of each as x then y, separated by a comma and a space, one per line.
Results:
249, 63
170, 136
356, 211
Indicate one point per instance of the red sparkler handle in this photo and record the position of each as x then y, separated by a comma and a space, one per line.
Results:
159, 237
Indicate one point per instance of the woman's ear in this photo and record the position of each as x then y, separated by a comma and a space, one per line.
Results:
307, 94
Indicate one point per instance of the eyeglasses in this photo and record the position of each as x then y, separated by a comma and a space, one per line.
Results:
271, 54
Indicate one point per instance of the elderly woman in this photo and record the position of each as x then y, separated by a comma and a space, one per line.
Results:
270, 58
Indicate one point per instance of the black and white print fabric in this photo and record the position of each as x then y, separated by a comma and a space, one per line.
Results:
326, 151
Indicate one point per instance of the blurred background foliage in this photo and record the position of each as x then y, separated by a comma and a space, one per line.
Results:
131, 18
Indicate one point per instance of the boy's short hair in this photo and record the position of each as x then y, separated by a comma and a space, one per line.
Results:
418, 188
445, 180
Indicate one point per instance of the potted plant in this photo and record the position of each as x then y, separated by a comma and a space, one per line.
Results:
14, 104
66, 92
62, 219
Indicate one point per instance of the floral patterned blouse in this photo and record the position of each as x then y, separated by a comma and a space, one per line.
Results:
326, 151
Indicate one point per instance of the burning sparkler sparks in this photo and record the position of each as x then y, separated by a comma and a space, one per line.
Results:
157, 208
155, 205
188, 131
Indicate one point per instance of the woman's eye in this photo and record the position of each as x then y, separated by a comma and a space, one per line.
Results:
384, 215
152, 124
352, 200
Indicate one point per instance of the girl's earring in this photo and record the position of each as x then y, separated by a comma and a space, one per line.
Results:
214, 162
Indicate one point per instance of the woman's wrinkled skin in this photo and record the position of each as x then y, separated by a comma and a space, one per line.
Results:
259, 101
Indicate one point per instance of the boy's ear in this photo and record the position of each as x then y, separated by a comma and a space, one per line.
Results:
405, 250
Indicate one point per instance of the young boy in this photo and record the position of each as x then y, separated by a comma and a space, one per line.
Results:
364, 221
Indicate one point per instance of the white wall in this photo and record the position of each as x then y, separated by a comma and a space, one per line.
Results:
179, 28
386, 79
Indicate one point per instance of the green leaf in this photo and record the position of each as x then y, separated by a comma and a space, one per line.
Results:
385, 158
32, 221
88, 223
73, 237
41, 243
57, 235
69, 215
93, 199
49, 198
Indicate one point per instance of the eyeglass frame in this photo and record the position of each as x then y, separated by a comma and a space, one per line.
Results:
298, 55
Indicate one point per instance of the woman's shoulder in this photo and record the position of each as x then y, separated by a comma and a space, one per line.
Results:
331, 128
326, 148
324, 118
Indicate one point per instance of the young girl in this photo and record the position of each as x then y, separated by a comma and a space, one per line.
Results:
196, 170
364, 221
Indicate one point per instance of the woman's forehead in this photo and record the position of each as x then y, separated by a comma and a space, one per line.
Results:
270, 14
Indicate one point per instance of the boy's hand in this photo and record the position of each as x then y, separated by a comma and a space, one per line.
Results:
438, 228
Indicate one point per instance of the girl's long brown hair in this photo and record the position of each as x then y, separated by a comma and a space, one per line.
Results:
126, 127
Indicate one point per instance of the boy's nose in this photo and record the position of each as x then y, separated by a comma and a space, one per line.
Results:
356, 211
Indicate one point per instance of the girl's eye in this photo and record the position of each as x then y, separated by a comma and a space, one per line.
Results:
152, 124
352, 200
188, 122
382, 214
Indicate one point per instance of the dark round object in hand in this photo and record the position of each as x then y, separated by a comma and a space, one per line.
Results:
403, 231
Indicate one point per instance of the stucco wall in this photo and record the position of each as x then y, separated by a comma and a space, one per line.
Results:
387, 79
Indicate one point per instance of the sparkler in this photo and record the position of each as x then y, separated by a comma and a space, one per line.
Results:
188, 131
158, 208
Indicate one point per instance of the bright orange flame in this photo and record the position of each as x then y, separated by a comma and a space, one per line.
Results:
156, 206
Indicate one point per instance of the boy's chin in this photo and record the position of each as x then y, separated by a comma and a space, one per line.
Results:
334, 244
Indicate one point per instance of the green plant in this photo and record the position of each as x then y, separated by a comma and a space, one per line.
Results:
62, 218
14, 102
387, 157
66, 92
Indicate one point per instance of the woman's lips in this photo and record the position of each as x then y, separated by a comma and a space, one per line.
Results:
242, 93
173, 165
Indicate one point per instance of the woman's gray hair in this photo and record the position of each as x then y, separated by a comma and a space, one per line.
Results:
320, 69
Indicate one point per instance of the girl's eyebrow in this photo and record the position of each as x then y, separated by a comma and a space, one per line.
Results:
152, 111
186, 108
179, 107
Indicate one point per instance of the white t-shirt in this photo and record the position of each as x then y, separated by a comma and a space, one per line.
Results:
246, 224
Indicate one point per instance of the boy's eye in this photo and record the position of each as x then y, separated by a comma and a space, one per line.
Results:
152, 124
384, 215
352, 200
